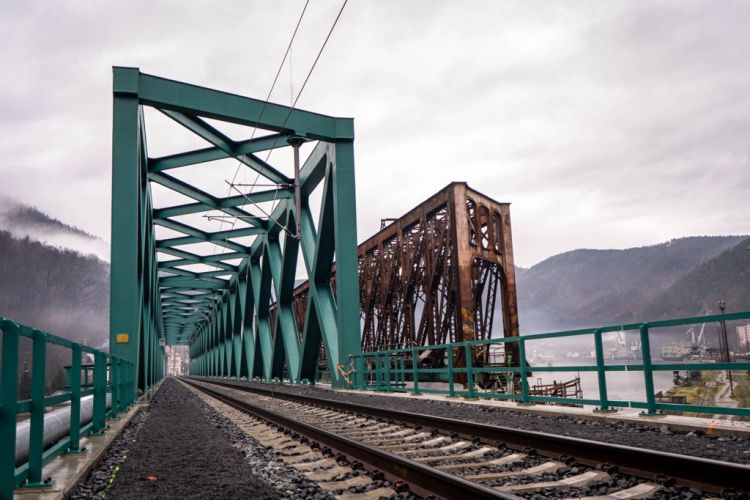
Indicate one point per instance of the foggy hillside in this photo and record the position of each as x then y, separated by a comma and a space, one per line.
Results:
584, 288
55, 290
24, 221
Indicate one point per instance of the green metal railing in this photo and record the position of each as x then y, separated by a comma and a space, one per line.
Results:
390, 370
107, 373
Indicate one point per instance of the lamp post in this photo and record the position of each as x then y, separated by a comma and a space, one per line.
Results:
725, 345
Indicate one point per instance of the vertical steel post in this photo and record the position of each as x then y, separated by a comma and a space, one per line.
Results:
75, 400
125, 298
387, 371
451, 381
36, 429
524, 371
601, 372
114, 382
100, 393
378, 373
360, 372
415, 370
347, 263
469, 371
296, 142
9, 405
648, 375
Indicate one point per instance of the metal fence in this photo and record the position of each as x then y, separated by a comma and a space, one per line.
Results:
106, 374
392, 370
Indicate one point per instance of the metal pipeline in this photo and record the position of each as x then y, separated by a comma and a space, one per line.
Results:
56, 426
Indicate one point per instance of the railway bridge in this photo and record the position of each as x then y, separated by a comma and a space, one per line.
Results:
319, 368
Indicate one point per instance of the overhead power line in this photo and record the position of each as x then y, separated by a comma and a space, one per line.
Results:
299, 94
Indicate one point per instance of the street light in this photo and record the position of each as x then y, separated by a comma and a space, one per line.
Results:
725, 345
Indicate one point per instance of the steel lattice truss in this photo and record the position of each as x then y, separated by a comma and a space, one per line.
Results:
222, 310
433, 276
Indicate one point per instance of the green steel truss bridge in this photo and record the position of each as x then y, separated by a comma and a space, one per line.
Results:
177, 290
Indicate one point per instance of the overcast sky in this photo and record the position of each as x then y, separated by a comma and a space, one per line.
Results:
605, 124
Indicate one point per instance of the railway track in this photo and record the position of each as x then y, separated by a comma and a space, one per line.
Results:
453, 459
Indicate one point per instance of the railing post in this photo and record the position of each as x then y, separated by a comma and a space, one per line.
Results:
100, 393
36, 429
451, 381
415, 370
378, 374
524, 371
8, 409
648, 375
75, 400
469, 371
387, 371
359, 363
130, 383
601, 373
114, 384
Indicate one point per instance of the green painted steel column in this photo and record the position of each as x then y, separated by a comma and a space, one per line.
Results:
601, 373
648, 375
359, 374
524, 372
36, 426
451, 381
8, 408
387, 365
415, 370
100, 393
347, 264
75, 400
125, 302
114, 382
469, 371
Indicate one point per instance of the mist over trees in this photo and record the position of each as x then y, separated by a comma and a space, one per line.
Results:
58, 291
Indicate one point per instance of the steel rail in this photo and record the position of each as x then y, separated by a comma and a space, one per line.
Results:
419, 475
707, 474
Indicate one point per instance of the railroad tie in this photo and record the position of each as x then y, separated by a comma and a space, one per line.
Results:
381, 431
310, 466
346, 484
451, 447
537, 470
561, 484
296, 459
507, 459
328, 474
299, 449
469, 454
375, 494
643, 490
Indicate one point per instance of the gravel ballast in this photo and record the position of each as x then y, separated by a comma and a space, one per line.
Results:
181, 452
695, 443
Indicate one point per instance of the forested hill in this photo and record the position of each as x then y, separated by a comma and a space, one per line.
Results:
54, 289
585, 288
22, 220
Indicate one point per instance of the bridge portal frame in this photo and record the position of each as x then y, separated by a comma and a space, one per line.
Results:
226, 321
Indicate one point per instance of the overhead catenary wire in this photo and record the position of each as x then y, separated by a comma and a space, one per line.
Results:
268, 97
296, 100
286, 118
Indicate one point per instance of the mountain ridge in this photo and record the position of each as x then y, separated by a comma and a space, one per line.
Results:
588, 287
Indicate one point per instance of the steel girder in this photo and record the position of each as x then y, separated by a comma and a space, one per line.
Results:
224, 313
433, 275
